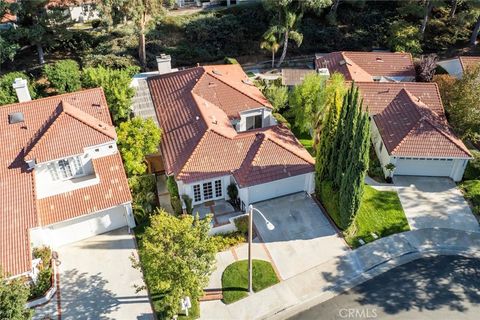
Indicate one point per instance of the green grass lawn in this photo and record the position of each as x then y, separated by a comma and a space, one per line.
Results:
380, 212
471, 191
305, 139
235, 279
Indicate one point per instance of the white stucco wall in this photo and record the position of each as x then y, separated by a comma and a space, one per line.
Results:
184, 188
380, 149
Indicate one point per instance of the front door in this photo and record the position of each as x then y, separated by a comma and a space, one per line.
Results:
209, 190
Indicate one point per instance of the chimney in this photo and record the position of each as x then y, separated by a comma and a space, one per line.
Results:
21, 87
164, 63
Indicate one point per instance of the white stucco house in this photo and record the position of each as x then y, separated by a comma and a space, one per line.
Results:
218, 129
410, 130
457, 66
62, 177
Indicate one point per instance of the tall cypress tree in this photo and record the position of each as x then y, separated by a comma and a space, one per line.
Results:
337, 140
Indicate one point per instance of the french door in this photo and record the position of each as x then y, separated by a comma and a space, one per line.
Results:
209, 190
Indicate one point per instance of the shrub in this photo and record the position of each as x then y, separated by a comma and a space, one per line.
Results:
43, 283
329, 199
172, 186
111, 61
232, 191
471, 190
281, 119
228, 60
227, 240
176, 205
144, 196
7, 93
188, 203
44, 253
242, 224
472, 171
404, 37
64, 76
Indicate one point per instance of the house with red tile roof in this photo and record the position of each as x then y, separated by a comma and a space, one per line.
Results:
218, 130
61, 175
368, 66
410, 130
458, 65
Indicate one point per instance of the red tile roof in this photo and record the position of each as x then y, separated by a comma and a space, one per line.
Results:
20, 210
410, 128
378, 95
468, 62
195, 108
363, 66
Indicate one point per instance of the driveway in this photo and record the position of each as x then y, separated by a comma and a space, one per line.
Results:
97, 281
431, 202
303, 237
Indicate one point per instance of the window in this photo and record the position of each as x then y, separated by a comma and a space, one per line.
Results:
207, 191
65, 168
197, 195
218, 188
254, 122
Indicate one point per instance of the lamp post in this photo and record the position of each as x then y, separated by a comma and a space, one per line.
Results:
270, 227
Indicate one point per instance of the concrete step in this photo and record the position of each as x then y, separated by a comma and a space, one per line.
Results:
212, 294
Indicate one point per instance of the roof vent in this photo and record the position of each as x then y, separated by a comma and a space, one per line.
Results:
378, 59
214, 120
217, 72
197, 118
323, 72
15, 117
342, 62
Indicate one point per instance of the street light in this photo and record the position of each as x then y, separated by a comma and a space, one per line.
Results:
270, 227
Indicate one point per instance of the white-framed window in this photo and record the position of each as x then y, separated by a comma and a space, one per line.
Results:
65, 168
207, 190
197, 194
254, 122
218, 188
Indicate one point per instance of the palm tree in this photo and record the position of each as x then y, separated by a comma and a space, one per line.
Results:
271, 44
286, 30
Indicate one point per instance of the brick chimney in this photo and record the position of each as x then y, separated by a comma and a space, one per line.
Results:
164, 63
21, 88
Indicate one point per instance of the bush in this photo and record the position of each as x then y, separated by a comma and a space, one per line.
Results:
44, 280
232, 191
404, 37
281, 119
227, 240
64, 76
44, 253
172, 187
7, 93
188, 203
242, 224
176, 205
471, 190
111, 61
472, 171
144, 196
329, 199
228, 60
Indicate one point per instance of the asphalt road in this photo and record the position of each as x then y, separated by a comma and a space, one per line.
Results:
444, 287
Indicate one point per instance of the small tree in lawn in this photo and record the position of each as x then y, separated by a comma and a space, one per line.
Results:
136, 139
64, 76
177, 257
13, 297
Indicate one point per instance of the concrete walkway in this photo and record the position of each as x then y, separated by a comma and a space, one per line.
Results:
431, 202
344, 272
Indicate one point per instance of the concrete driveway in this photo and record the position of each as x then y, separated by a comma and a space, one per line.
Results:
97, 281
431, 202
303, 237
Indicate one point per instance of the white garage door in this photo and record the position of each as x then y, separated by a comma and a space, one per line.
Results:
86, 226
276, 188
424, 167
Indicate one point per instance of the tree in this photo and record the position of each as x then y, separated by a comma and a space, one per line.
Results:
136, 139
425, 68
8, 50
277, 95
7, 93
461, 104
116, 85
13, 297
271, 44
177, 257
404, 37
64, 75
475, 4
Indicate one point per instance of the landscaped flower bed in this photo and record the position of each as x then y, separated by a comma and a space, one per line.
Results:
44, 279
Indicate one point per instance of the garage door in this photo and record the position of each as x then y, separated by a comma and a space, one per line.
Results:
86, 226
424, 167
277, 188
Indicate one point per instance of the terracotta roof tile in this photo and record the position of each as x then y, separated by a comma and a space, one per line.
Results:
293, 77
363, 66
468, 62
410, 128
18, 210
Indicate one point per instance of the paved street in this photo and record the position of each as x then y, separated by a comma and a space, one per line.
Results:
431, 202
444, 287
303, 237
97, 281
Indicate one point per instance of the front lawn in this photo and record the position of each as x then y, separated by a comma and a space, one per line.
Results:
235, 279
380, 212
305, 139
471, 191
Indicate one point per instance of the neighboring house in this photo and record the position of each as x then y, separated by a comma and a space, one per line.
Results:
292, 77
61, 176
457, 66
368, 66
8, 20
410, 130
218, 129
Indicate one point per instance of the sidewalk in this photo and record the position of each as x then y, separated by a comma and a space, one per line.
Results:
348, 270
